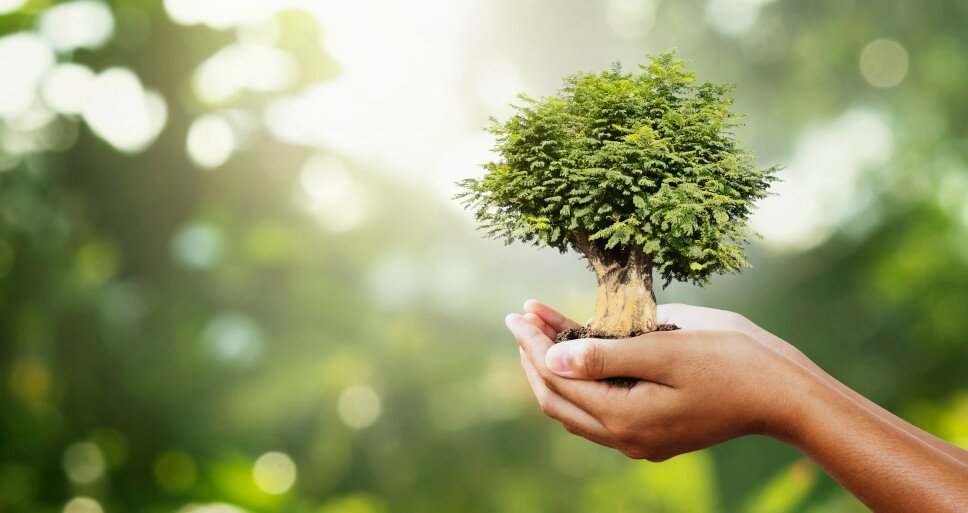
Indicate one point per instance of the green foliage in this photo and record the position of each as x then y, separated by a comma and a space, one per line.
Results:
627, 160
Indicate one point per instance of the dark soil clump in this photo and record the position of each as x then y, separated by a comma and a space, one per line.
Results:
585, 332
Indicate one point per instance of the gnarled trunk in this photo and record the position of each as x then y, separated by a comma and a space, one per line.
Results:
625, 302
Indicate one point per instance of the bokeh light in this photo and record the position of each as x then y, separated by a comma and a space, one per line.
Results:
241, 67
217, 507
395, 280
884, 63
119, 110
220, 14
77, 24
234, 339
83, 505
66, 86
332, 194
211, 141
274, 473
24, 59
732, 17
197, 245
359, 407
631, 19
84, 462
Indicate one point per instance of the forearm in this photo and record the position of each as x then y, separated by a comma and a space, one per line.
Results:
883, 465
948, 448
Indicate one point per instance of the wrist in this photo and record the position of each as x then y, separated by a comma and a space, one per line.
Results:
803, 398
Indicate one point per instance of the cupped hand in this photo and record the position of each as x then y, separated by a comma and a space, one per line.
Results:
715, 379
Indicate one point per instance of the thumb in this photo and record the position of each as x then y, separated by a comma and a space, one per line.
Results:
646, 357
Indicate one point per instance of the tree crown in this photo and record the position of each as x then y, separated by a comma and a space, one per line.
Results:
619, 162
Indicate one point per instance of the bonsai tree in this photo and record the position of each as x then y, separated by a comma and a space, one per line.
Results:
639, 172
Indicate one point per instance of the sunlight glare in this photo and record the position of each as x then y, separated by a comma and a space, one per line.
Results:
400, 83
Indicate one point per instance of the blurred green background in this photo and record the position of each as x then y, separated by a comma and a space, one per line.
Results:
231, 278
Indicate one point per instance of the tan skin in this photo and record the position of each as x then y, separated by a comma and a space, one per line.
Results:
722, 377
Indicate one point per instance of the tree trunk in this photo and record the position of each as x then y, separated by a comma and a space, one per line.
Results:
625, 302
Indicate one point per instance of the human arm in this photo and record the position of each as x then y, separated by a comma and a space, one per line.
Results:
706, 384
689, 317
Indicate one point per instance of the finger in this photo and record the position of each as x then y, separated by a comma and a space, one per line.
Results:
543, 326
652, 357
574, 419
587, 395
671, 313
697, 317
663, 314
552, 317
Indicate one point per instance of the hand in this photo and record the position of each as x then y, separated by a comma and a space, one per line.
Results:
708, 382
720, 377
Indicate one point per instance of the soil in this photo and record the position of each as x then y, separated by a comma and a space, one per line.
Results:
586, 332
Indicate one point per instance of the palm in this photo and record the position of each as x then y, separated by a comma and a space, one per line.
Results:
687, 317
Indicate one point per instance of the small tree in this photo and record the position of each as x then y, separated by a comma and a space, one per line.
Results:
639, 172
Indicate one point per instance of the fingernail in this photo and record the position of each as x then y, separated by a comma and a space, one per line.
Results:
557, 358
509, 319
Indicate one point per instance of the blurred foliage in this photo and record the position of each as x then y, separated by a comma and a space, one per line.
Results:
163, 327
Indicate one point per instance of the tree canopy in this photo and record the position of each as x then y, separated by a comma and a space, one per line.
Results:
620, 160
